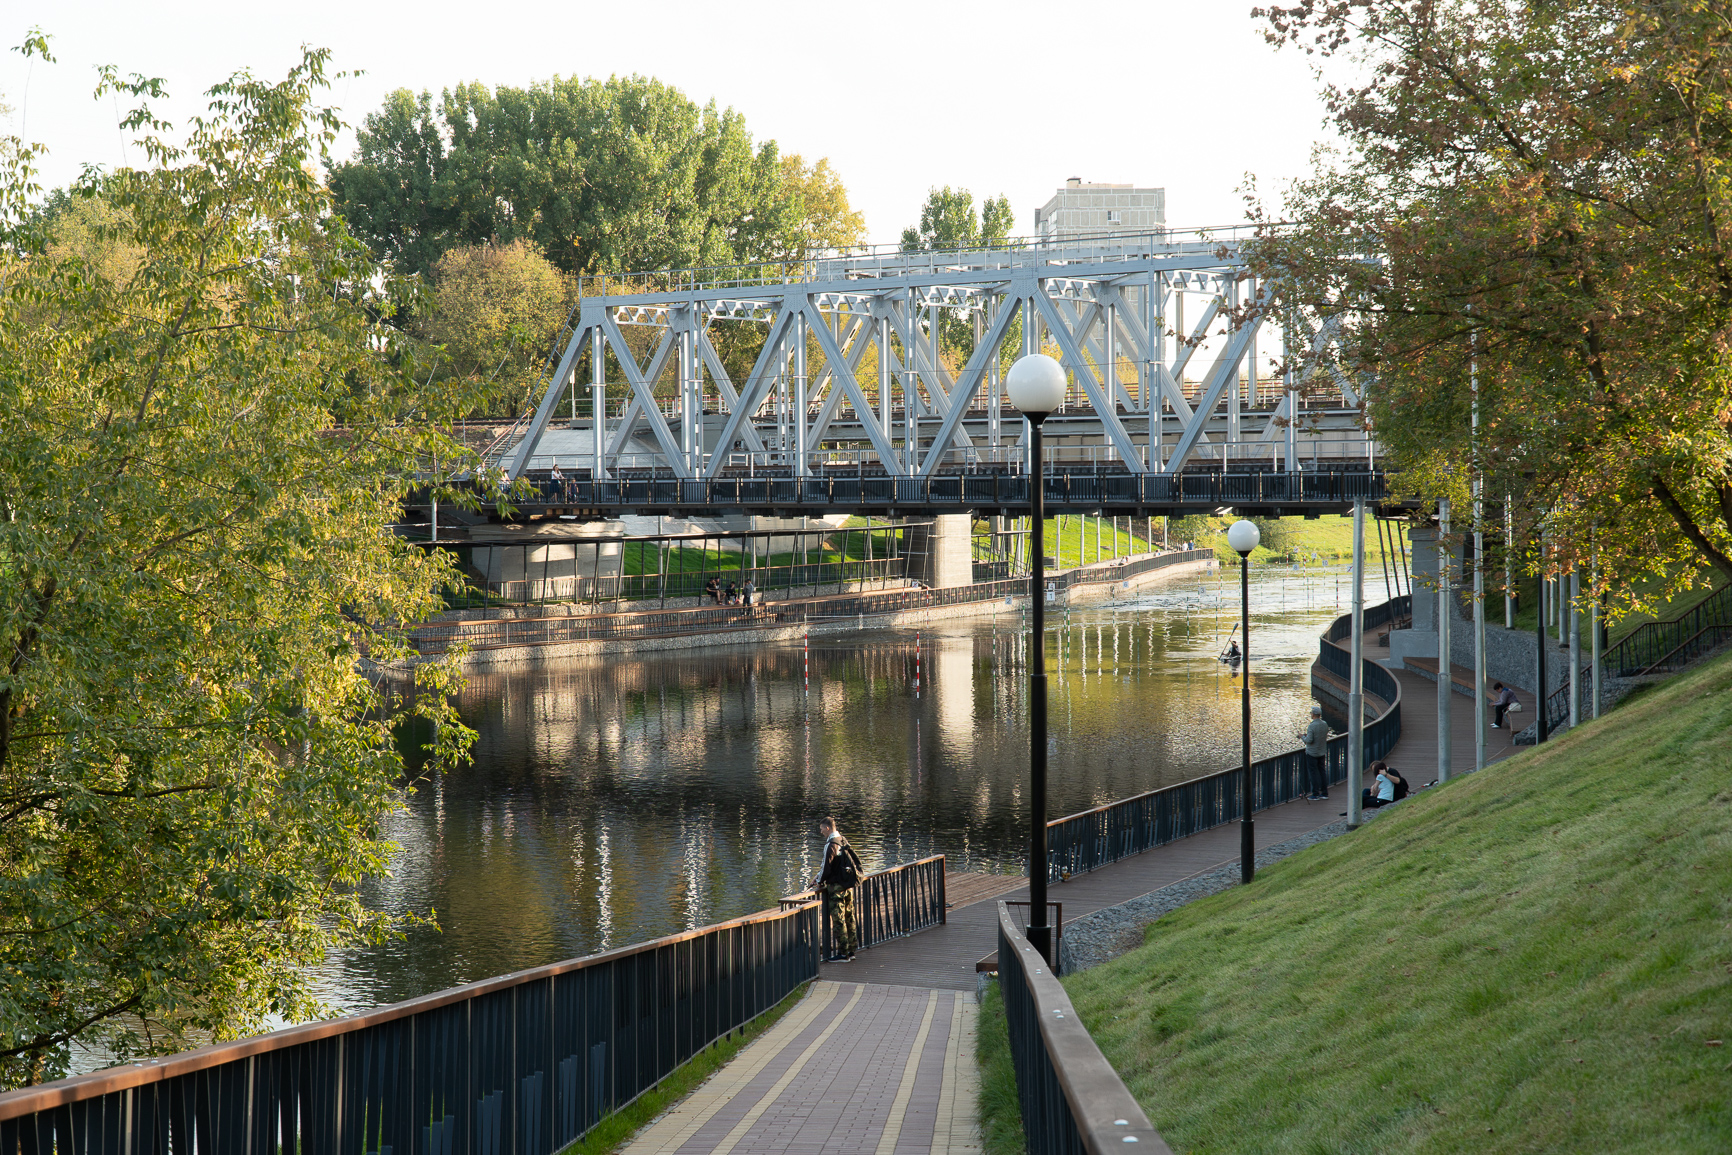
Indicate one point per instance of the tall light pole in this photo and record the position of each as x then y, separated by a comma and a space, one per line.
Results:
1035, 385
1242, 537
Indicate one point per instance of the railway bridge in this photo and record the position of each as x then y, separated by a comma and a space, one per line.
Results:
877, 387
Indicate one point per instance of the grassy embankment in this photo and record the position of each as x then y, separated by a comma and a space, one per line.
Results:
1534, 958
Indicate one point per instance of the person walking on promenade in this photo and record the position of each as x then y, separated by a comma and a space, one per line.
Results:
1502, 698
835, 883
556, 483
1316, 738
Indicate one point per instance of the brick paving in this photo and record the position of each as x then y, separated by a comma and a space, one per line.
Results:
852, 1069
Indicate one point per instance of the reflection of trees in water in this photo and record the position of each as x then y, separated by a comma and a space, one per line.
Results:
614, 799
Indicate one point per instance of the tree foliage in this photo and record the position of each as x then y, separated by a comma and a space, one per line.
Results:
206, 436
496, 309
1534, 199
623, 174
948, 221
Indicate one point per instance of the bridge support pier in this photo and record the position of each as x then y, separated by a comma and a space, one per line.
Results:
938, 554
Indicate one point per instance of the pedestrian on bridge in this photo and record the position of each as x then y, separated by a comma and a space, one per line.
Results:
1316, 739
835, 883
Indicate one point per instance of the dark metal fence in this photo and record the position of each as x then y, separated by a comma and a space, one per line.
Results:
1073, 1102
1333, 486
1653, 647
522, 1064
893, 903
1094, 838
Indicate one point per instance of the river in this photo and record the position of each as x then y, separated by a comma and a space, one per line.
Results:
613, 800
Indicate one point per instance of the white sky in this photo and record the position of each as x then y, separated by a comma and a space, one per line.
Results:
1006, 97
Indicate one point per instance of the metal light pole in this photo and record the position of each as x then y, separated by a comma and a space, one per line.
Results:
1242, 537
1445, 669
1356, 679
1035, 385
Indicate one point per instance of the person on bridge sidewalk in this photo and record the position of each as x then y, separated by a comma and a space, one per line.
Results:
835, 883
1316, 738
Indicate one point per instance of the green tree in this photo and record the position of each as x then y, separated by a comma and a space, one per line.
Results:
948, 221
617, 175
205, 444
498, 309
1534, 199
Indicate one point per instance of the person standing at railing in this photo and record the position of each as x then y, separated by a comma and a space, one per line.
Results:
835, 883
556, 483
746, 592
1316, 738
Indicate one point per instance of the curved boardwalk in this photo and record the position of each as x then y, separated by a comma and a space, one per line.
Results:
879, 1056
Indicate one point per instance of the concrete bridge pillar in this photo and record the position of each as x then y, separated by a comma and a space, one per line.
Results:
938, 554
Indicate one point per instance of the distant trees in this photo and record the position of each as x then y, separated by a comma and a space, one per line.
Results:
495, 309
619, 175
948, 221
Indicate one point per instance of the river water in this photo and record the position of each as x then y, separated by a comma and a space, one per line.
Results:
613, 800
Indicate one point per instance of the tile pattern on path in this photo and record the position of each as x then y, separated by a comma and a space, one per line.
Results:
851, 1069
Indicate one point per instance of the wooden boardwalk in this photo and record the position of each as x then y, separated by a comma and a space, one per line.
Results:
1415, 755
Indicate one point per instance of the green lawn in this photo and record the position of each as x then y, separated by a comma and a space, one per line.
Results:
1534, 958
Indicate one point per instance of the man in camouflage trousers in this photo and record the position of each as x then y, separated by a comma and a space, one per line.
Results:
835, 882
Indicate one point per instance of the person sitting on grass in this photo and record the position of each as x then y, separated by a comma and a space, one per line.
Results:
1385, 786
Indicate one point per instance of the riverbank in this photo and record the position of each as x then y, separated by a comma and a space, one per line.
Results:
543, 635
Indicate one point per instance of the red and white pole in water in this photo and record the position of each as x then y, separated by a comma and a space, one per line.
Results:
916, 663
806, 660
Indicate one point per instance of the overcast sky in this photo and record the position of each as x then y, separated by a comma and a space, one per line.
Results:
996, 98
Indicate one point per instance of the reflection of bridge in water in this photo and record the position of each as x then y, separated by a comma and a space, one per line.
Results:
879, 383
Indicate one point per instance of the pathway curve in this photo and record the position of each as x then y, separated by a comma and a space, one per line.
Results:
851, 1068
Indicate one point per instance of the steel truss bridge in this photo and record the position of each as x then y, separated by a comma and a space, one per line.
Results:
860, 383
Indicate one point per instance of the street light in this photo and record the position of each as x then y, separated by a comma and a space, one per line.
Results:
1035, 385
1242, 537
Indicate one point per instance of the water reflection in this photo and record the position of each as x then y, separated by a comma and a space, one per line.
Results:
614, 800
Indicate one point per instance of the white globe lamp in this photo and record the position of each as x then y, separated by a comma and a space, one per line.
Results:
1243, 536
1035, 385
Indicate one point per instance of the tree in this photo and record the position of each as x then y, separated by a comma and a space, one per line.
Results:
1534, 199
621, 175
948, 221
819, 216
498, 309
205, 444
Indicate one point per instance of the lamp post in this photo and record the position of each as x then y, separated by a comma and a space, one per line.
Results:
1035, 385
1242, 537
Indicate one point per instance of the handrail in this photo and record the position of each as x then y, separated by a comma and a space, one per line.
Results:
891, 903
1072, 1099
1636, 653
1091, 839
541, 1054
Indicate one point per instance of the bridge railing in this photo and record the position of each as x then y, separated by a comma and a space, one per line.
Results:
523, 1063
1095, 838
1337, 486
891, 903
1072, 1100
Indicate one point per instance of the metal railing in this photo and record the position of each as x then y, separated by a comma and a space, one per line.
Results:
1653, 643
524, 1063
1073, 1102
892, 903
1089, 840
1100, 572
1202, 488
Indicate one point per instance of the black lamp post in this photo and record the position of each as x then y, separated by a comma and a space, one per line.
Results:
1242, 537
1035, 385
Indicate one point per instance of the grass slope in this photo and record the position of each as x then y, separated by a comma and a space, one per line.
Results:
1534, 958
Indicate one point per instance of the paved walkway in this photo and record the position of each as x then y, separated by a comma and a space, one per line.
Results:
851, 1068
878, 1057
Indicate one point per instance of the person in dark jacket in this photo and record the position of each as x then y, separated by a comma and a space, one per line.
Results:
1316, 739
835, 883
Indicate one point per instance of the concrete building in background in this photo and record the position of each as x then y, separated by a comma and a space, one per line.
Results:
1080, 209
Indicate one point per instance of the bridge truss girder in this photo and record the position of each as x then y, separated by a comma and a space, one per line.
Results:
1102, 314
